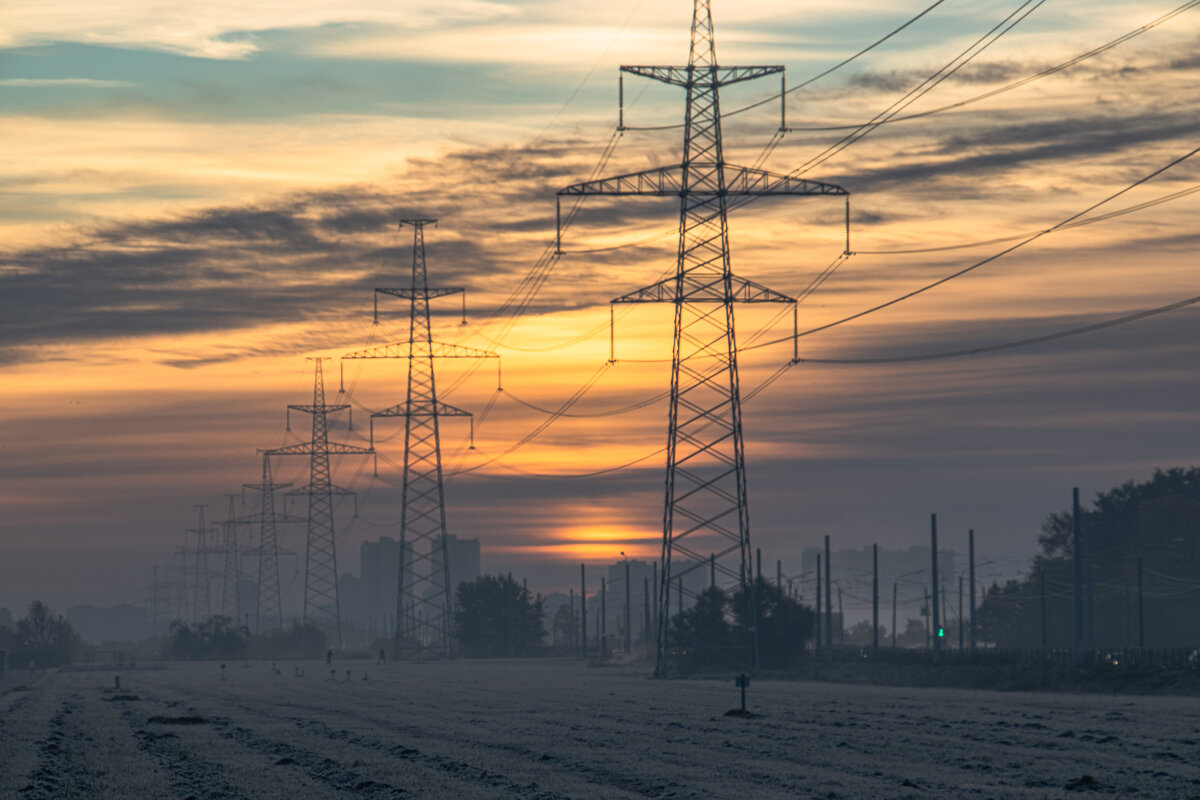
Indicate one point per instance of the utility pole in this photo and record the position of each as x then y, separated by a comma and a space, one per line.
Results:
603, 618
628, 611
960, 613
875, 600
1077, 547
818, 641
705, 486
937, 628
828, 606
321, 604
895, 588
1089, 583
841, 618
583, 610
779, 574
1042, 581
423, 503
971, 547
1141, 607
646, 609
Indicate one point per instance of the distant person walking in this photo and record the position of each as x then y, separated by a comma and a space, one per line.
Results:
329, 657
382, 657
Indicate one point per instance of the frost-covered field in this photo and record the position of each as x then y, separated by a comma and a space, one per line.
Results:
538, 729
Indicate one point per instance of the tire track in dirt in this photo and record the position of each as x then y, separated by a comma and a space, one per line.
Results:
189, 775
46, 779
337, 776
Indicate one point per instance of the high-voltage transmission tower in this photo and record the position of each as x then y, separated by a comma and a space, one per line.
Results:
321, 604
269, 613
424, 603
706, 520
231, 574
201, 605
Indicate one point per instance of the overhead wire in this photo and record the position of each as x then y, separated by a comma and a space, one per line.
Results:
995, 256
811, 80
1125, 37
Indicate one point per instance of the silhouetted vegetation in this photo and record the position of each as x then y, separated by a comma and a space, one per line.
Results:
715, 631
298, 641
218, 637
40, 637
495, 616
1158, 522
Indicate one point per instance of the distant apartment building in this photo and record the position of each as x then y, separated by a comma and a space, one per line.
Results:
115, 624
375, 592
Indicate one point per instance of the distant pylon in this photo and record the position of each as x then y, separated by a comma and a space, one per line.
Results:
706, 510
424, 603
269, 612
321, 605
231, 574
201, 604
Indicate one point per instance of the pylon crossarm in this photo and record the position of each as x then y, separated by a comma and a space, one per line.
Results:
422, 294
704, 76
257, 519
432, 350
310, 409
422, 409
704, 287
751, 181
335, 449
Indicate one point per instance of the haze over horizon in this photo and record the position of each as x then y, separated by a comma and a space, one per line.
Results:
205, 197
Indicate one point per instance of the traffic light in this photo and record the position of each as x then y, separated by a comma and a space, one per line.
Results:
941, 633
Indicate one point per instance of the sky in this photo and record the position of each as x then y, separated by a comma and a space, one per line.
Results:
198, 199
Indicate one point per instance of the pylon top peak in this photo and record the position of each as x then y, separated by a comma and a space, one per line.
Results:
418, 223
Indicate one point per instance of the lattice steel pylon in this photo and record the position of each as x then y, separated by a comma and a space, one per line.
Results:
231, 573
201, 602
424, 602
321, 604
706, 521
269, 612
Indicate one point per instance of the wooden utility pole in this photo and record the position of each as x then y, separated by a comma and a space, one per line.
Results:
628, 611
895, 588
817, 642
960, 613
603, 618
937, 639
1141, 608
1077, 545
971, 549
828, 607
1045, 640
583, 610
875, 599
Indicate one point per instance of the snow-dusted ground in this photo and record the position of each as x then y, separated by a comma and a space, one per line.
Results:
546, 729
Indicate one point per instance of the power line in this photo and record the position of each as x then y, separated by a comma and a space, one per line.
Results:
811, 80
1029, 239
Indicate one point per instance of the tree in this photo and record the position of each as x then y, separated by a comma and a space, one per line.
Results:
784, 625
494, 616
1156, 523
216, 638
44, 638
716, 631
701, 635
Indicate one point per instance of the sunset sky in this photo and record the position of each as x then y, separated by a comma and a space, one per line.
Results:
194, 199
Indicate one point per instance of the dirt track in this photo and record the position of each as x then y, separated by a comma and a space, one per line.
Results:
561, 730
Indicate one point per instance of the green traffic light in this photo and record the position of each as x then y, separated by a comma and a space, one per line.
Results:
941, 633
